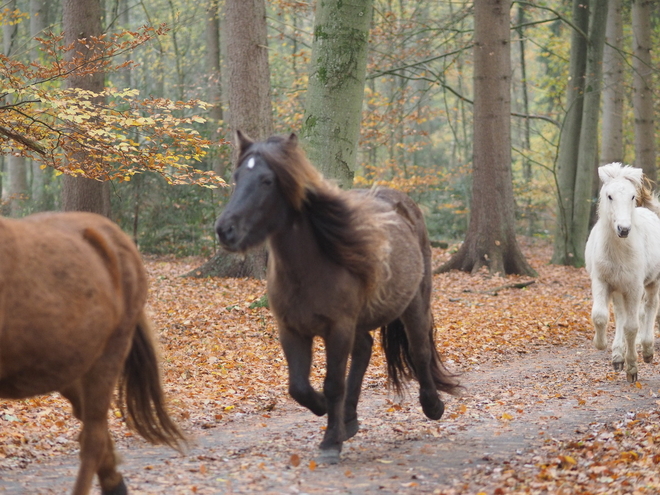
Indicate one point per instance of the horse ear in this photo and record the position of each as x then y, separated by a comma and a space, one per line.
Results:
293, 139
243, 141
608, 172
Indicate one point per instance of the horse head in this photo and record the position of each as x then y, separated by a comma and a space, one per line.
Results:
619, 196
257, 206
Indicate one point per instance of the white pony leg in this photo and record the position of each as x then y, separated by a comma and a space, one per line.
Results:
631, 303
619, 344
600, 313
647, 323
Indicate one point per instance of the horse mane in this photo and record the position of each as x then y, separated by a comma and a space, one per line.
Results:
348, 227
647, 198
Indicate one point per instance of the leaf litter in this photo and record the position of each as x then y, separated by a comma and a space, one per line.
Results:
542, 411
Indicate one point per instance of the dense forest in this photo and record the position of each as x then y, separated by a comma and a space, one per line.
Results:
417, 127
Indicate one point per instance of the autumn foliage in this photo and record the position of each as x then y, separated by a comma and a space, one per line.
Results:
109, 135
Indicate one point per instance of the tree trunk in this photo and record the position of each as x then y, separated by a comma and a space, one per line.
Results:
82, 19
214, 94
569, 142
490, 240
248, 87
642, 92
333, 106
613, 95
584, 197
15, 190
41, 198
246, 38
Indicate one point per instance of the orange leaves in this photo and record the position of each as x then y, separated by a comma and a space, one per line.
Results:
112, 134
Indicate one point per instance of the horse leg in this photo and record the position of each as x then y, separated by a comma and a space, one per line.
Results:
647, 322
418, 323
360, 357
631, 303
96, 448
338, 345
298, 352
619, 343
600, 312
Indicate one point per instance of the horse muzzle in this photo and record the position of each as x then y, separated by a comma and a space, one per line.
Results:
622, 231
227, 232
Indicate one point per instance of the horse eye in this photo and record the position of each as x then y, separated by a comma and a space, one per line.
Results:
609, 197
633, 198
267, 181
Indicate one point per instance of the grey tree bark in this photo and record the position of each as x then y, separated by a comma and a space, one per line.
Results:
613, 90
333, 106
214, 94
14, 190
248, 88
642, 91
491, 240
584, 197
569, 143
42, 199
82, 19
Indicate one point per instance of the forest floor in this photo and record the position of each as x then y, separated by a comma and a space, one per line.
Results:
542, 410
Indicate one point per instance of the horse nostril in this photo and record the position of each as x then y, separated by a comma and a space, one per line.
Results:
623, 231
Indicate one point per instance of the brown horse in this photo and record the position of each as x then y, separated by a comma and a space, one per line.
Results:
341, 263
72, 320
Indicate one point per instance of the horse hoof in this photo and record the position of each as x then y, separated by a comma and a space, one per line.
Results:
632, 377
352, 428
328, 456
120, 489
617, 365
434, 411
648, 359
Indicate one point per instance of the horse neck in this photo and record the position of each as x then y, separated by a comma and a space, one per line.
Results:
294, 248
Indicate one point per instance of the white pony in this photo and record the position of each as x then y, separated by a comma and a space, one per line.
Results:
622, 257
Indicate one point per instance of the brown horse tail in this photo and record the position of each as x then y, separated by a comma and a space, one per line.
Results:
141, 397
400, 367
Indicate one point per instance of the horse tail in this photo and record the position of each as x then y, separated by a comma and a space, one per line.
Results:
141, 397
400, 367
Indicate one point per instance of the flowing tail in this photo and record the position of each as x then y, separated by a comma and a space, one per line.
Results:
400, 367
141, 397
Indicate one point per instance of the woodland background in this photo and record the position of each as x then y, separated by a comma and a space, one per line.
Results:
416, 130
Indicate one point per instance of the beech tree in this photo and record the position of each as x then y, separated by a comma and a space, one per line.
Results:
491, 239
642, 88
613, 90
333, 108
249, 111
578, 146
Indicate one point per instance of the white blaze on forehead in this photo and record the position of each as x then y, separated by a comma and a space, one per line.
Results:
250, 163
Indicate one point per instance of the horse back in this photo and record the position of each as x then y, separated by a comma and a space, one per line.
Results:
408, 272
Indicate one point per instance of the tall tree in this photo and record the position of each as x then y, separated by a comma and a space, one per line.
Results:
491, 239
41, 198
248, 87
642, 92
214, 94
14, 190
578, 145
613, 91
333, 107
82, 22
584, 196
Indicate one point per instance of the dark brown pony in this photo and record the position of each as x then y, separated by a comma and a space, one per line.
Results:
72, 320
341, 263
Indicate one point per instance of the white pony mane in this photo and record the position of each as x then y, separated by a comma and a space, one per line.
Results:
612, 171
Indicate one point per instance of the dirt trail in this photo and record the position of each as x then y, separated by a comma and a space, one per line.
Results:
508, 413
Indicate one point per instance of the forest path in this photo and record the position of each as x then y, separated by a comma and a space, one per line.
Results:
508, 414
